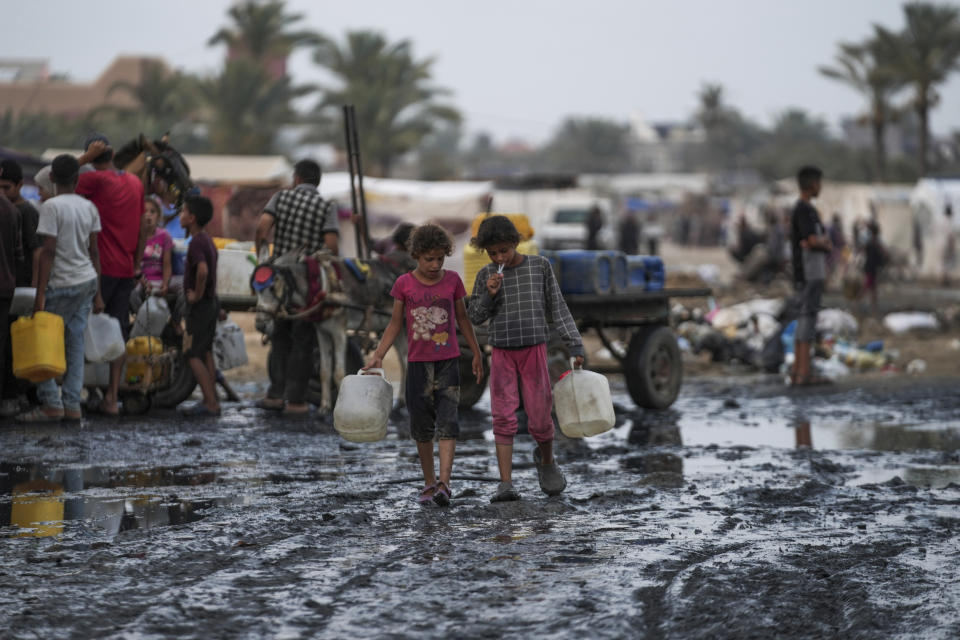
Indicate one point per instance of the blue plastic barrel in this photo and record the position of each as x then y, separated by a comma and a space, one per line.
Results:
618, 274
585, 271
551, 257
636, 273
655, 273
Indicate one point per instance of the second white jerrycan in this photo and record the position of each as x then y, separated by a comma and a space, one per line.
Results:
363, 406
582, 401
103, 339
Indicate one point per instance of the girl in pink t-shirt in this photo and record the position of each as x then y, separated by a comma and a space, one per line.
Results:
156, 264
430, 300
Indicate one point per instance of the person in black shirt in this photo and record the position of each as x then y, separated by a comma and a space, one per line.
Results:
810, 247
629, 241
874, 259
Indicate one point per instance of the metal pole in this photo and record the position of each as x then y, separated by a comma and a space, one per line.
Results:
353, 191
363, 199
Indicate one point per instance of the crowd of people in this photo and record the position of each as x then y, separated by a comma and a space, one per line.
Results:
95, 245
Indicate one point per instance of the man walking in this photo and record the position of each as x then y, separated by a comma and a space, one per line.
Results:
118, 196
300, 220
810, 246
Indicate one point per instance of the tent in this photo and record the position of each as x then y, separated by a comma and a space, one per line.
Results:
929, 202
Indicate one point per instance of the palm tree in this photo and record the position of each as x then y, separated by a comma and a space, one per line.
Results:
867, 69
261, 31
163, 98
391, 91
924, 54
247, 107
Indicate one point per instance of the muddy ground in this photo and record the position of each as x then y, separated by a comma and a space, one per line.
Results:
742, 512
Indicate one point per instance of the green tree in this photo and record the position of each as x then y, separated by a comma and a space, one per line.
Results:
395, 101
246, 107
34, 132
923, 54
262, 30
439, 154
867, 69
589, 145
163, 98
731, 138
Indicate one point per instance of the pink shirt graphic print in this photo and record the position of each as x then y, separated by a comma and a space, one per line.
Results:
430, 315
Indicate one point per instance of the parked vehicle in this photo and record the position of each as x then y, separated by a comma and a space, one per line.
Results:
567, 226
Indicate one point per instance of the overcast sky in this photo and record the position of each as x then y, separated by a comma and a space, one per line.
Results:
518, 67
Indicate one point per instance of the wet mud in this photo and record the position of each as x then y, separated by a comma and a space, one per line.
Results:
741, 512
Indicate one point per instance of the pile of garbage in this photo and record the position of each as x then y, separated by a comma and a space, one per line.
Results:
760, 333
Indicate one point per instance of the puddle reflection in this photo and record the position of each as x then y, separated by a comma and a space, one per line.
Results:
38, 500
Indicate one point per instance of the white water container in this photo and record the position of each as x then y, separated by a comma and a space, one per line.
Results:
229, 346
363, 406
583, 404
102, 339
152, 316
234, 269
96, 374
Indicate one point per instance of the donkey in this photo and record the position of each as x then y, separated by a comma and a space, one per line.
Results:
333, 293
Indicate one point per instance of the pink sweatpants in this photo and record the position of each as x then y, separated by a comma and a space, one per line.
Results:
515, 373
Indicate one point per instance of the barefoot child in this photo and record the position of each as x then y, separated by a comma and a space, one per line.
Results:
517, 293
203, 310
430, 298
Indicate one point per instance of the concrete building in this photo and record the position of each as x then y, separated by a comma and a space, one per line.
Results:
27, 85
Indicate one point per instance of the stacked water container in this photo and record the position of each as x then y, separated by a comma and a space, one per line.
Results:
603, 272
646, 273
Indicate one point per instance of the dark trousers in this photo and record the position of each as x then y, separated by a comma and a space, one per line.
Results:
8, 384
290, 364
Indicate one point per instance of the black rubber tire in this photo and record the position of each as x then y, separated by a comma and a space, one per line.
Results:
470, 390
353, 362
654, 367
181, 386
136, 403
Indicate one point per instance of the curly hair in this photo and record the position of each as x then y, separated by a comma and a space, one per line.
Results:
430, 237
495, 230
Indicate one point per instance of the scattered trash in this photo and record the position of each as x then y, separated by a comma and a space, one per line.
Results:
837, 322
832, 368
904, 321
916, 367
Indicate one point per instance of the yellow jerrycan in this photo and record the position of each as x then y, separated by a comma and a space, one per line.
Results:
38, 351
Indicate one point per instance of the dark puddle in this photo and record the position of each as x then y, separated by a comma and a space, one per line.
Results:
38, 500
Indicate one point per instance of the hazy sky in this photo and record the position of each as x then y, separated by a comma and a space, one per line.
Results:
517, 67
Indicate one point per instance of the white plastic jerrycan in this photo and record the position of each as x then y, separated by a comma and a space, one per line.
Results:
363, 406
583, 404
102, 339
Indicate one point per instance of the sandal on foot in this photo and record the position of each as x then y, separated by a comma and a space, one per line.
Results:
200, 410
427, 493
505, 493
442, 494
270, 404
41, 414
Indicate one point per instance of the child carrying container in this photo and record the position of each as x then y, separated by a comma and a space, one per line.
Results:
430, 300
157, 261
67, 284
517, 293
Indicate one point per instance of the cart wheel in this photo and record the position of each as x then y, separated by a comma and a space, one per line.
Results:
136, 403
653, 368
182, 384
470, 390
352, 364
